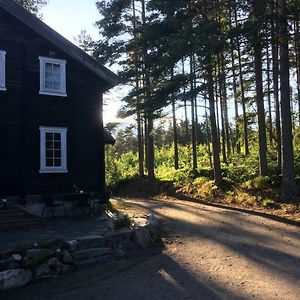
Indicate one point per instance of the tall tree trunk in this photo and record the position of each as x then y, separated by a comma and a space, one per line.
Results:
185, 107
236, 109
226, 118
270, 121
208, 133
214, 133
175, 136
148, 111
276, 86
194, 138
223, 132
259, 96
289, 188
242, 87
137, 80
297, 55
217, 107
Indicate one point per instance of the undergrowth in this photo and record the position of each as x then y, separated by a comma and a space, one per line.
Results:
241, 185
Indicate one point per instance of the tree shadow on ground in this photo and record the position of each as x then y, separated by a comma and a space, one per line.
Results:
158, 277
238, 233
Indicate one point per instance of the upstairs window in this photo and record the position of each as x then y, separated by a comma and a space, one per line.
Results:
2, 70
52, 76
53, 150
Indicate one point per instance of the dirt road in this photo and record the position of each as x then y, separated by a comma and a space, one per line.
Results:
211, 253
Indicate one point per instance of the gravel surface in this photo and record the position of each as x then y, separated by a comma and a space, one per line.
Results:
210, 253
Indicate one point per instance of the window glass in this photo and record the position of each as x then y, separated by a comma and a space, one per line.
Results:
52, 76
53, 149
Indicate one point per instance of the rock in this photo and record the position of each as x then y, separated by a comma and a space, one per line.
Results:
140, 222
154, 227
125, 248
152, 221
56, 266
9, 264
141, 236
14, 279
90, 253
36, 256
67, 258
124, 233
72, 245
94, 241
16, 257
55, 245
52, 268
42, 271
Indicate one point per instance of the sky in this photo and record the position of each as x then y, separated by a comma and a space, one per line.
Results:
70, 17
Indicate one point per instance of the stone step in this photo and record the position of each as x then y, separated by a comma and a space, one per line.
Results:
94, 262
11, 213
19, 223
90, 253
13, 217
88, 242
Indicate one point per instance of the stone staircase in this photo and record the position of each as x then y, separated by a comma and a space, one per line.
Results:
90, 251
14, 217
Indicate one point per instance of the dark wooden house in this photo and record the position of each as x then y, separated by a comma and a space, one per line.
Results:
51, 126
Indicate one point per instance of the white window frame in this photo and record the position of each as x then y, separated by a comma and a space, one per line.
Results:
51, 92
63, 132
2, 70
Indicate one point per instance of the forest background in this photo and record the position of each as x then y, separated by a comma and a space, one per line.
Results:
214, 89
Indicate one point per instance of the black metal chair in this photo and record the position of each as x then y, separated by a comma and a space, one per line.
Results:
3, 203
101, 200
52, 202
81, 201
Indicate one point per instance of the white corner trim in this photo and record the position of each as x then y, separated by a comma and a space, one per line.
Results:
2, 70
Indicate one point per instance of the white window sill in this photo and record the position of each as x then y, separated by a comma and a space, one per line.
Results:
53, 171
2, 88
48, 93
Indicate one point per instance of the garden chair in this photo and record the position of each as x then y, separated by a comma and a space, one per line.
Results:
102, 200
52, 202
81, 201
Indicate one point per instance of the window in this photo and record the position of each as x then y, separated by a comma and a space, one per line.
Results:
52, 76
2, 70
53, 149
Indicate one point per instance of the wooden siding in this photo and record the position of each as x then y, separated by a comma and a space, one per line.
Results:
23, 110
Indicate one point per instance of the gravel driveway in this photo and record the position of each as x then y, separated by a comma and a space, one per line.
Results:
211, 253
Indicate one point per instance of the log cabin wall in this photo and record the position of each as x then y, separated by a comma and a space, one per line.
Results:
23, 111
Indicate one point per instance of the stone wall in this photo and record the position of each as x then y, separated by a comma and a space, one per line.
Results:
25, 264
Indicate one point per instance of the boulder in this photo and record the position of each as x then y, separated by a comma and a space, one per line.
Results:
55, 245
52, 268
36, 256
140, 222
72, 245
125, 248
42, 271
56, 266
153, 227
141, 236
9, 264
67, 258
124, 233
11, 279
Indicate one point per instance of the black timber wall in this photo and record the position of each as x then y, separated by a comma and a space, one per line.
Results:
23, 110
